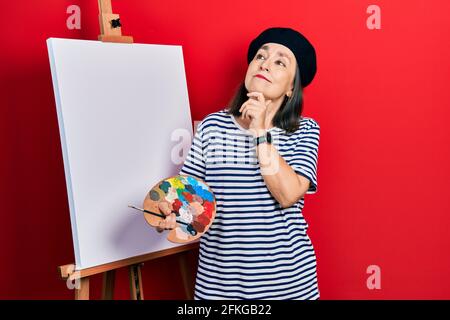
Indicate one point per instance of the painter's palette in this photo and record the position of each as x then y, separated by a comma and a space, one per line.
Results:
190, 199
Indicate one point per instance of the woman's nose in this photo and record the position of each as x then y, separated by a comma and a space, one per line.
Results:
264, 66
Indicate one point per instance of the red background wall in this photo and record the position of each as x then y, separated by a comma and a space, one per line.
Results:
381, 98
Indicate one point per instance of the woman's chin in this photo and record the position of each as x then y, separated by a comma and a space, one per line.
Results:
258, 88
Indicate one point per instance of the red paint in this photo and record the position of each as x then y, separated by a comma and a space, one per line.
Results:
207, 205
177, 204
208, 209
207, 213
203, 219
187, 196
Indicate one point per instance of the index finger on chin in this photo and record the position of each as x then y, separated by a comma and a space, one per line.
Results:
259, 96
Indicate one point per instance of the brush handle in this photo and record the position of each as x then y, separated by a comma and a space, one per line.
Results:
163, 216
157, 214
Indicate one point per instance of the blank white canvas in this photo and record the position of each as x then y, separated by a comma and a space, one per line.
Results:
117, 107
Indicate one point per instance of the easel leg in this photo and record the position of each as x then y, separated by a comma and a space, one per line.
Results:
136, 282
83, 292
186, 275
108, 285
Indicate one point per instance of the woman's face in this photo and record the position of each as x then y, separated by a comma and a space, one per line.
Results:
275, 62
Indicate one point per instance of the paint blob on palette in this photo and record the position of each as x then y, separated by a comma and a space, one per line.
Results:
190, 199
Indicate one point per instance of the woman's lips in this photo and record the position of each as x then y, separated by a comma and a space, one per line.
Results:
262, 77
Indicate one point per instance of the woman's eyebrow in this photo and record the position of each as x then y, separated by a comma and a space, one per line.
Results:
266, 48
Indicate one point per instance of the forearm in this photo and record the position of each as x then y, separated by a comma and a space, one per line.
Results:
280, 178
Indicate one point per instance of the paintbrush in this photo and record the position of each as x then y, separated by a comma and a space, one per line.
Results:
156, 214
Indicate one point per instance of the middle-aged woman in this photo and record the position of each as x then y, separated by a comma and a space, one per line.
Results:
259, 157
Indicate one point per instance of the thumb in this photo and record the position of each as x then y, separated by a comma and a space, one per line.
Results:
164, 207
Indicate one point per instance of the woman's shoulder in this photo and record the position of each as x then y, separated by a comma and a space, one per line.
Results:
308, 127
308, 123
217, 118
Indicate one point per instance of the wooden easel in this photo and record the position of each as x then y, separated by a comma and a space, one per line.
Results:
110, 26
69, 272
111, 31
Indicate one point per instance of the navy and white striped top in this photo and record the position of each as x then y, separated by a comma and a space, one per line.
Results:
254, 249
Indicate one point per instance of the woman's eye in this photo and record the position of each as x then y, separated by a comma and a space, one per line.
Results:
258, 56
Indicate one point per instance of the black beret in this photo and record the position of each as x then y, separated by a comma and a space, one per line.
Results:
300, 46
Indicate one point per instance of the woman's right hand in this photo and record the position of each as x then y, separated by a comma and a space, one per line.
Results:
170, 221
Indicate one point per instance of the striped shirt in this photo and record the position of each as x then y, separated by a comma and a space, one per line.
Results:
254, 249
